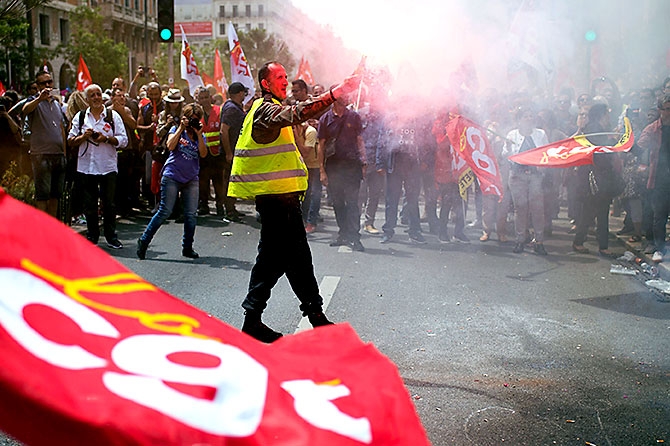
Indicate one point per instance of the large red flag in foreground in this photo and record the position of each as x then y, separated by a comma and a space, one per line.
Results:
471, 144
2, 89
83, 76
94, 355
574, 151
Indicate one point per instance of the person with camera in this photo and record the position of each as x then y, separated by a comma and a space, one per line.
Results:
180, 174
47, 144
98, 136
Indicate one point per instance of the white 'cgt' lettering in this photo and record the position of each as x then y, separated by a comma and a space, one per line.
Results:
313, 403
240, 382
477, 141
25, 289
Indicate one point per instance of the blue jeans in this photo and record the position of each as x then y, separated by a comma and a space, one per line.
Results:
405, 175
311, 205
169, 191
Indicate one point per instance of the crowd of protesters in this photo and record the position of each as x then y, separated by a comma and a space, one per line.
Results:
111, 152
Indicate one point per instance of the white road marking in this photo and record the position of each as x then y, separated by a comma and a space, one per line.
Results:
327, 289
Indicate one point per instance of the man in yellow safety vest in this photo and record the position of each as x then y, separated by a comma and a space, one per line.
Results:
268, 167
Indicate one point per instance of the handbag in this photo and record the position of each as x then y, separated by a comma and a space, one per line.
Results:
331, 144
160, 151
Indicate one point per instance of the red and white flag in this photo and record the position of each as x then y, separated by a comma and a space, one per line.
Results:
239, 67
83, 76
189, 69
2, 88
219, 76
471, 145
305, 72
575, 151
95, 355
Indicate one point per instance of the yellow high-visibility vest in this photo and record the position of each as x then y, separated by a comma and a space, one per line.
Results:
264, 169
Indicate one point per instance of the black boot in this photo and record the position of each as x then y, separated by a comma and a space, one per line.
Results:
142, 249
190, 253
318, 319
254, 327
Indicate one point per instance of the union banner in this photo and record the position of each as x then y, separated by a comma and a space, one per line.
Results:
95, 355
472, 146
575, 151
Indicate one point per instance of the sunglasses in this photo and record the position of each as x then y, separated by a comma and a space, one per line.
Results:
49, 82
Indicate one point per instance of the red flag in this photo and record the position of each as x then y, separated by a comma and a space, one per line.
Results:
473, 147
94, 355
219, 76
305, 72
574, 151
206, 79
83, 76
2, 88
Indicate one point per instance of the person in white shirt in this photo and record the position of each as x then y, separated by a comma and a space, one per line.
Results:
99, 133
525, 182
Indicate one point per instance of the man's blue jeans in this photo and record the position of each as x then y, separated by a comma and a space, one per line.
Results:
169, 191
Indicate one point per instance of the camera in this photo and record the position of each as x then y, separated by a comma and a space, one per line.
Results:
95, 135
194, 122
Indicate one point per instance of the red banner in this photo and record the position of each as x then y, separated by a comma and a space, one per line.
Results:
94, 355
196, 29
219, 76
305, 72
83, 76
574, 151
471, 144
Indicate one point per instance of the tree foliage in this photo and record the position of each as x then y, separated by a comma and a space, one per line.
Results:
104, 58
258, 47
16, 9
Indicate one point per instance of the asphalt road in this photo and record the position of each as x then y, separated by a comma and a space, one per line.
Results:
494, 347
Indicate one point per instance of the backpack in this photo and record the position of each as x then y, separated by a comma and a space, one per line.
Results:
109, 118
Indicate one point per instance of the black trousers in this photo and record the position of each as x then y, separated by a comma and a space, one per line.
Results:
594, 207
282, 249
103, 187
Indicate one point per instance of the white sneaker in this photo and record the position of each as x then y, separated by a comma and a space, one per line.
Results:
657, 257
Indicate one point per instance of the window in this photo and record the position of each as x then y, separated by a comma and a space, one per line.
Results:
64, 30
260, 10
45, 31
247, 11
261, 26
137, 5
235, 11
247, 27
222, 10
222, 29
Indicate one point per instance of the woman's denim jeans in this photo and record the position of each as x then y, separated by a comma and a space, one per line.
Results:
169, 191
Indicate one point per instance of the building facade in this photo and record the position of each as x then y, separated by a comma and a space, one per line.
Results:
126, 21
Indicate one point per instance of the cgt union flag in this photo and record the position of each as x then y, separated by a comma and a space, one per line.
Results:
189, 68
239, 66
471, 144
83, 76
575, 151
94, 355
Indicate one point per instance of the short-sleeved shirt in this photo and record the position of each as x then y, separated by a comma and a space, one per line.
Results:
346, 128
183, 164
46, 127
233, 116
